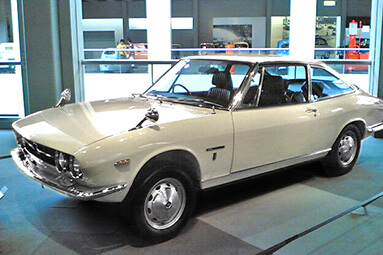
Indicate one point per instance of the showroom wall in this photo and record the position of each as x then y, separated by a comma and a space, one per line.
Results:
203, 12
51, 59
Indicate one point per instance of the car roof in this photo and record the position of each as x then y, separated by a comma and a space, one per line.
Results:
256, 58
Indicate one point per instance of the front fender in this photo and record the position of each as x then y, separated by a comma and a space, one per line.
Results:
211, 146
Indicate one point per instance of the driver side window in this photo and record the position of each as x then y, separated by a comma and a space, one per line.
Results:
276, 85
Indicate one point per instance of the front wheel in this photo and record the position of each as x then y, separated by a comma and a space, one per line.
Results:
162, 203
344, 153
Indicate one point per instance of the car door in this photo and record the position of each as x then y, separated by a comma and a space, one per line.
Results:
275, 121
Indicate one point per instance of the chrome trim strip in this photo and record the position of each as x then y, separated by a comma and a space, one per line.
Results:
235, 176
40, 172
375, 128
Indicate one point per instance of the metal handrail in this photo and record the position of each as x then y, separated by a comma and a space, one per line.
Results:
173, 61
347, 61
128, 61
280, 245
227, 49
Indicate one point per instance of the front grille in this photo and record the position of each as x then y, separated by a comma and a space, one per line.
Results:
42, 152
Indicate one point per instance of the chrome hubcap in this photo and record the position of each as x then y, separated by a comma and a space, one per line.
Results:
347, 149
165, 203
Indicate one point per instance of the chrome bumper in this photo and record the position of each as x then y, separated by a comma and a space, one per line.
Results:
61, 182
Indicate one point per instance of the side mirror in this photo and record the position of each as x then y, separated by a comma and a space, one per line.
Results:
152, 115
65, 97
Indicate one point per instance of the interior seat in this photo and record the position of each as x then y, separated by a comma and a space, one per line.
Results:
317, 90
223, 89
273, 91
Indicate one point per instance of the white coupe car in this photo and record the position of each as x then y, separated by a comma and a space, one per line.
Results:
208, 121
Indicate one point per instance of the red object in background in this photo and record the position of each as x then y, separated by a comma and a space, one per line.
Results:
355, 54
229, 46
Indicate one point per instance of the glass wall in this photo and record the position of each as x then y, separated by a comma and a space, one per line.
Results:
11, 89
345, 36
116, 49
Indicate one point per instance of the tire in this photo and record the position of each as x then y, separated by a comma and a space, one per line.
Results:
344, 153
161, 202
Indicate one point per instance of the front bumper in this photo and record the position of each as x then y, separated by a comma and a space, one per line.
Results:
47, 175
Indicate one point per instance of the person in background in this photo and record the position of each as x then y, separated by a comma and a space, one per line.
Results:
129, 45
122, 45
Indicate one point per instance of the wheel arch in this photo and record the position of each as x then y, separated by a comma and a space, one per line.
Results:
361, 125
184, 159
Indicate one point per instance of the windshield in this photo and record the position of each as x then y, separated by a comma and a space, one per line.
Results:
201, 82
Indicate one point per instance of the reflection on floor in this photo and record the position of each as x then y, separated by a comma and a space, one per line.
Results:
243, 218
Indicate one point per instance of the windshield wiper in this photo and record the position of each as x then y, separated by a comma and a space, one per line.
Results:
137, 95
149, 96
175, 99
200, 100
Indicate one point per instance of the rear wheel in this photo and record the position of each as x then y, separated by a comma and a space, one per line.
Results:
344, 153
161, 203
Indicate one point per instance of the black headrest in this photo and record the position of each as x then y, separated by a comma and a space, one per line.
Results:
317, 88
222, 80
273, 83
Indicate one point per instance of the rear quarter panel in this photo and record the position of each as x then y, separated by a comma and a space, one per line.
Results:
335, 113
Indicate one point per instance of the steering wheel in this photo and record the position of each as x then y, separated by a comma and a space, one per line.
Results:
182, 86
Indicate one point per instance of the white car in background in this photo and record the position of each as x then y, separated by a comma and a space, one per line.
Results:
208, 121
115, 54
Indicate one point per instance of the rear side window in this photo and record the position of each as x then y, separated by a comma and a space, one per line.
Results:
326, 84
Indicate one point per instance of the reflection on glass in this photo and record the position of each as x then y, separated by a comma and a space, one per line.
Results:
105, 81
11, 90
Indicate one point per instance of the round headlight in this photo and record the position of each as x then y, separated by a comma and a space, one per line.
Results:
75, 168
61, 161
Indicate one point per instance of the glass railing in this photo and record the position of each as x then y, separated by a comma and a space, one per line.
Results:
129, 71
320, 53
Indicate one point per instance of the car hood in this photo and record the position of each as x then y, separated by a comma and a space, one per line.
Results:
73, 126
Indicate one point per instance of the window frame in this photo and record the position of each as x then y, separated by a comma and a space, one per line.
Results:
259, 67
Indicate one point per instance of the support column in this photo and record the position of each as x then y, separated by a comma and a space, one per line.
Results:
376, 52
42, 76
158, 15
196, 24
51, 62
269, 8
159, 33
302, 28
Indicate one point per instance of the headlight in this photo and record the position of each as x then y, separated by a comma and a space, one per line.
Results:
75, 168
67, 163
61, 161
